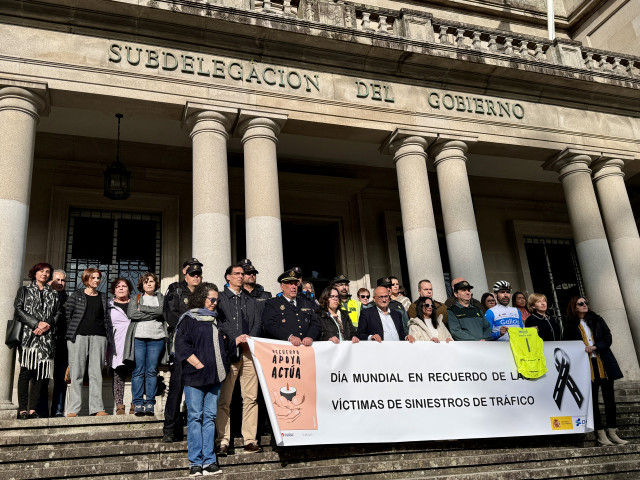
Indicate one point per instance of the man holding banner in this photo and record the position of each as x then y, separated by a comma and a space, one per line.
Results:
382, 323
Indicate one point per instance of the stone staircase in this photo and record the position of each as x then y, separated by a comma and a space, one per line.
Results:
126, 447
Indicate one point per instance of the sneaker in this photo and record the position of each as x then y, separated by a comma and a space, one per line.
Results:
168, 438
252, 448
212, 469
139, 411
195, 471
148, 410
59, 414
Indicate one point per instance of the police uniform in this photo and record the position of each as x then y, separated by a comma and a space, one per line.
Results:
281, 319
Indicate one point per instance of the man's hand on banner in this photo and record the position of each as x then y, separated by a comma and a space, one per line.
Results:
307, 341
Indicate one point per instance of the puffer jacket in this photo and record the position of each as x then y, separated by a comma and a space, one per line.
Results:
74, 310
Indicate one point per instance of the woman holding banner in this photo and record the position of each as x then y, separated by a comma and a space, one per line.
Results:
336, 324
584, 324
425, 327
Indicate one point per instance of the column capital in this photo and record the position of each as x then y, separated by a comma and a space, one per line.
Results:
195, 112
448, 147
404, 137
248, 119
609, 165
570, 161
14, 94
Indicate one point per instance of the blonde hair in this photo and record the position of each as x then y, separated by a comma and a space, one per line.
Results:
533, 298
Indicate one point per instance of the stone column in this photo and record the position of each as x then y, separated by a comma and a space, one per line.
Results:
259, 131
594, 257
418, 223
211, 242
20, 111
622, 234
463, 243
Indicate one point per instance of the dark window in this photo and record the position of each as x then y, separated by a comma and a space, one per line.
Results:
119, 244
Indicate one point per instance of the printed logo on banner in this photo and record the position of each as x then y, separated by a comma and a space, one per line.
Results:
561, 423
565, 381
579, 421
290, 373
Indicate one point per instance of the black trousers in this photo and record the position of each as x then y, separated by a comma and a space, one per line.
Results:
173, 422
28, 397
608, 397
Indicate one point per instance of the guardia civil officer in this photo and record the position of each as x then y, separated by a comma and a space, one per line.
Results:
290, 317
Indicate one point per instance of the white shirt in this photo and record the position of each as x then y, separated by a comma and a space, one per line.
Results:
589, 335
388, 327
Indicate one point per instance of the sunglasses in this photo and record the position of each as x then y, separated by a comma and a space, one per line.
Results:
365, 296
213, 299
195, 274
583, 304
427, 305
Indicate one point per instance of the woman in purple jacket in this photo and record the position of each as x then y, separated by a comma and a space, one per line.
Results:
206, 347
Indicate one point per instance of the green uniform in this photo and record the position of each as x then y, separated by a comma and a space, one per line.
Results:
468, 323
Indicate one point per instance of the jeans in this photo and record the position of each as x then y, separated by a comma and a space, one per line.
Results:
202, 406
94, 347
145, 375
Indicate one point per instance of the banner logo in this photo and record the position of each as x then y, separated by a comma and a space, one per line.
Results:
565, 381
561, 423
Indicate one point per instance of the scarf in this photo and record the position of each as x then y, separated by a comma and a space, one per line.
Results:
37, 351
206, 315
338, 321
601, 371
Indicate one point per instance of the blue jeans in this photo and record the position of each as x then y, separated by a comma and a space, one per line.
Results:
145, 375
202, 406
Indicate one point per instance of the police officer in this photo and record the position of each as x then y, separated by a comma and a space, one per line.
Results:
394, 304
348, 304
175, 304
290, 317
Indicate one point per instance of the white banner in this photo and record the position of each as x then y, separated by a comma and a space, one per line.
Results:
400, 392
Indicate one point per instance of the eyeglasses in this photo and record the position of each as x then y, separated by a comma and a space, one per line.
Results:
365, 296
334, 296
213, 299
583, 304
383, 297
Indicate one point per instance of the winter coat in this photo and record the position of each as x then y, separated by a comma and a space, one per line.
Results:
419, 330
120, 322
33, 306
248, 311
602, 340
330, 327
74, 310
548, 328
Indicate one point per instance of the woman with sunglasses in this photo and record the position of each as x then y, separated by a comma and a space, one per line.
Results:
425, 327
205, 346
336, 324
364, 297
584, 324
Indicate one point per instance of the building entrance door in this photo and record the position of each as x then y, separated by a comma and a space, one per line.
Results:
554, 271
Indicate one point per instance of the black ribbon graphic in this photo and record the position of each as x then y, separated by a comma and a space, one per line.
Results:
564, 379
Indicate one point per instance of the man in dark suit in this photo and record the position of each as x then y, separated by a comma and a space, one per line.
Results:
382, 323
290, 317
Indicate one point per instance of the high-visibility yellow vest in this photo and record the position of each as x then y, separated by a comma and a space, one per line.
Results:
352, 307
528, 352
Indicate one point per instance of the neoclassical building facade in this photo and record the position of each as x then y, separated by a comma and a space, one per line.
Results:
422, 139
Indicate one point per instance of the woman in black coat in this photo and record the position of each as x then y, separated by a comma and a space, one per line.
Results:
583, 324
548, 327
336, 325
206, 346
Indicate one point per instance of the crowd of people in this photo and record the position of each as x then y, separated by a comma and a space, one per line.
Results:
201, 332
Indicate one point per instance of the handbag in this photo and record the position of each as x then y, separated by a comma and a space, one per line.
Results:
14, 333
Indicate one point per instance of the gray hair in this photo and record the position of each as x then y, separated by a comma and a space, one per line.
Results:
58, 270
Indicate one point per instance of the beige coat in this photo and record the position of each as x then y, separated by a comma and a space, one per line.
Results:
422, 331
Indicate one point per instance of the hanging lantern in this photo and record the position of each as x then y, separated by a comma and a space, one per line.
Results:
117, 179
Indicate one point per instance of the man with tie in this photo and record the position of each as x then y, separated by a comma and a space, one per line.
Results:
290, 317
382, 323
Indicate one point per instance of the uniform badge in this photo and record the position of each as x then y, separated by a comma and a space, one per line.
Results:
281, 307
186, 300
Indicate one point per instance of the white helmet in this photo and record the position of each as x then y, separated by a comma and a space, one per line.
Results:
501, 285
